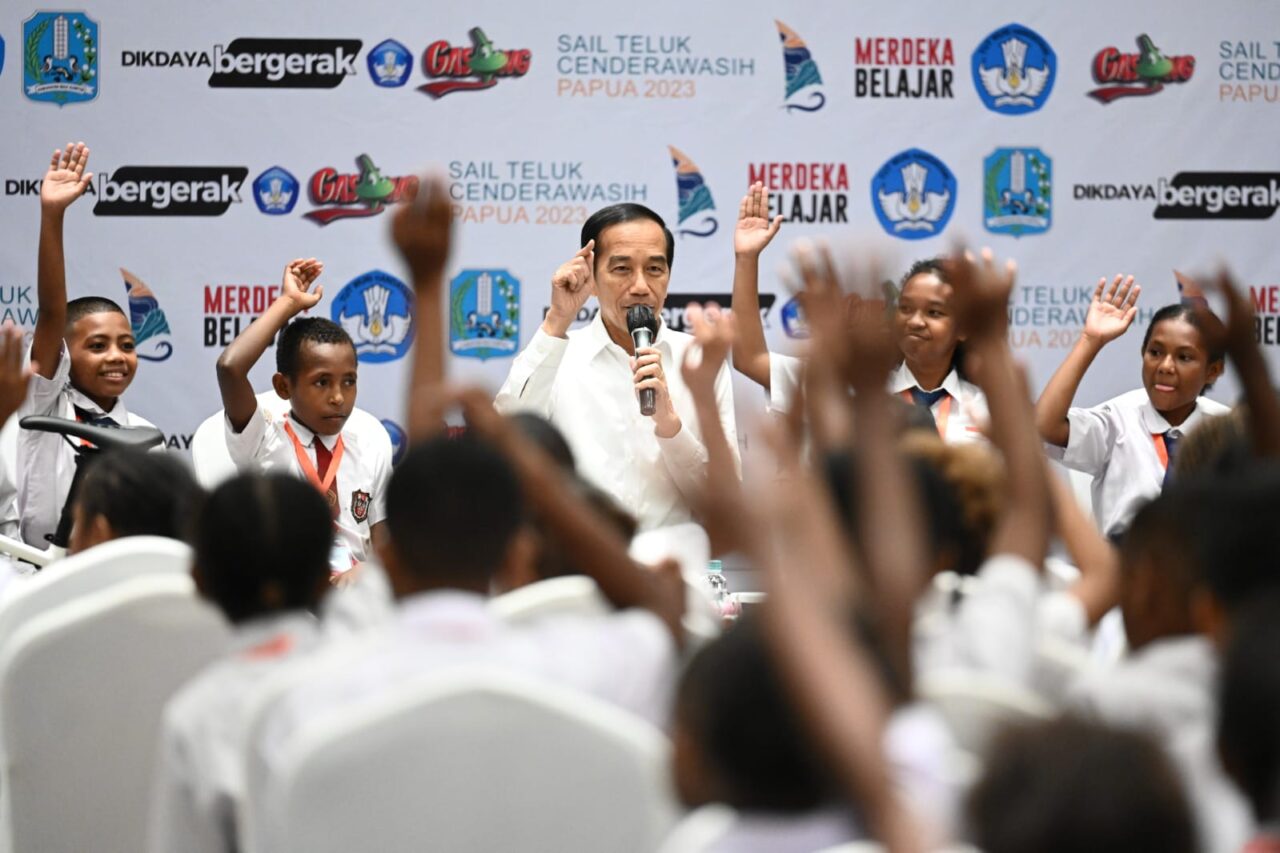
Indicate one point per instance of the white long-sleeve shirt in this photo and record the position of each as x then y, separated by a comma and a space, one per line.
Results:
584, 385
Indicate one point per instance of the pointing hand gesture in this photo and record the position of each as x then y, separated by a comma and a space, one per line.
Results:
573, 283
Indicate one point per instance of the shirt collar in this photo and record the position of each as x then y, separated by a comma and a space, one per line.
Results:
598, 336
1154, 422
306, 436
448, 613
259, 634
118, 412
903, 380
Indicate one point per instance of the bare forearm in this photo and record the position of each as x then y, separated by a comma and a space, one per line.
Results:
1260, 396
426, 407
1055, 400
51, 289
239, 358
750, 351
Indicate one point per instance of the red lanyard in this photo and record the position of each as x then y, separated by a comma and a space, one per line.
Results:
1157, 438
309, 468
944, 412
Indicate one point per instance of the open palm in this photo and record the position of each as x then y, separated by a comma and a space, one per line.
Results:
1112, 310
66, 179
754, 229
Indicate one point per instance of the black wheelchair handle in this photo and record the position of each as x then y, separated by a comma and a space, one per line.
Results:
105, 438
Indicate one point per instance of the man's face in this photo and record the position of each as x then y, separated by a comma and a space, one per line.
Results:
103, 360
631, 269
323, 392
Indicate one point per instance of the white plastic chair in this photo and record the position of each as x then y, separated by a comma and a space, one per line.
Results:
976, 704
212, 460
89, 571
571, 595
700, 830
9, 478
414, 770
82, 690
873, 847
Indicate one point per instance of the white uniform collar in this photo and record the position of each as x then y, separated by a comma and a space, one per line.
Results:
118, 412
902, 379
306, 436
261, 630
598, 336
1154, 423
453, 610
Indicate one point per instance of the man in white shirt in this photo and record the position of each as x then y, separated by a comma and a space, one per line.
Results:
586, 381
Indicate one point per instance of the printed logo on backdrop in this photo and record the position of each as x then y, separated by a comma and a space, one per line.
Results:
793, 320
376, 310
1, 55
151, 332
1014, 70
356, 195
1197, 195
693, 196
1189, 291
484, 314
18, 305
470, 69
31, 187
804, 192
1249, 71
230, 308
169, 190
913, 194
399, 441
641, 66
801, 72
1050, 316
60, 57
893, 67
1137, 74
1266, 311
532, 192
390, 64
275, 191
1017, 191
261, 63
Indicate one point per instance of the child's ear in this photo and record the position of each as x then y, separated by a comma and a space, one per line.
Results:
280, 382
1214, 373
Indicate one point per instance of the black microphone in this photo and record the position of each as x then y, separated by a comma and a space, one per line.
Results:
643, 327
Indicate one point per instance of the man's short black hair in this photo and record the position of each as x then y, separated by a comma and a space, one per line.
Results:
1069, 785
733, 702
616, 214
261, 529
453, 508
78, 309
1249, 707
139, 493
315, 330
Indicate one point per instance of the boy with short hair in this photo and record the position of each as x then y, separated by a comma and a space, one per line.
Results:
346, 461
83, 355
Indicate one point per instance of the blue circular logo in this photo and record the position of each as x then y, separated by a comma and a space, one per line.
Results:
275, 191
390, 64
913, 195
399, 441
376, 310
793, 322
1014, 70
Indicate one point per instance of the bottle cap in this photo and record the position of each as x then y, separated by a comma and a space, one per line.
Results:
715, 566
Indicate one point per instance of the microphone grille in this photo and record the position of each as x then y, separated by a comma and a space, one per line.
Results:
641, 317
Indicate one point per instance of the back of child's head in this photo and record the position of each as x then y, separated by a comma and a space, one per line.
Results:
1249, 707
78, 309
1159, 572
1216, 446
306, 330
543, 433
136, 493
1070, 786
554, 559
454, 507
736, 726
262, 545
970, 497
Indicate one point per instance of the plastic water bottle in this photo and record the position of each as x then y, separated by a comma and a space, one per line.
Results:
718, 587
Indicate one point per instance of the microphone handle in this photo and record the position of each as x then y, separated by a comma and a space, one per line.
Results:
648, 397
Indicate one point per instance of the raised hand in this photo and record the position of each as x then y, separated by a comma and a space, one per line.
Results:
295, 284
1236, 336
754, 230
981, 291
66, 179
1111, 313
421, 232
713, 330
573, 283
13, 377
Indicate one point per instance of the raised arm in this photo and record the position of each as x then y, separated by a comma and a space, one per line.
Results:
14, 378
65, 182
752, 234
1110, 315
238, 359
422, 234
1237, 337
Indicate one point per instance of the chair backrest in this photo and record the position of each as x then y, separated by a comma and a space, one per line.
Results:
471, 759
571, 595
209, 454
9, 477
977, 704
90, 571
82, 692
700, 830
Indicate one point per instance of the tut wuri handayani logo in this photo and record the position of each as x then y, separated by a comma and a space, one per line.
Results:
913, 194
484, 313
1017, 191
60, 57
1014, 70
275, 191
376, 310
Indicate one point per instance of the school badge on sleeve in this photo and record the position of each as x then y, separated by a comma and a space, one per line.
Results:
60, 57
360, 505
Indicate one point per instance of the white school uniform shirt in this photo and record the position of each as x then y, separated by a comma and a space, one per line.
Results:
627, 658
363, 472
200, 774
1113, 442
966, 413
46, 463
584, 385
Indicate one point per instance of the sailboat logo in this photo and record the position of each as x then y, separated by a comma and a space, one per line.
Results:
150, 327
802, 72
693, 195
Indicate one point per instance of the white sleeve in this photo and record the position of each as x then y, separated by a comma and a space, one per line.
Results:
249, 446
996, 621
533, 373
179, 823
1093, 434
43, 395
381, 479
785, 373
